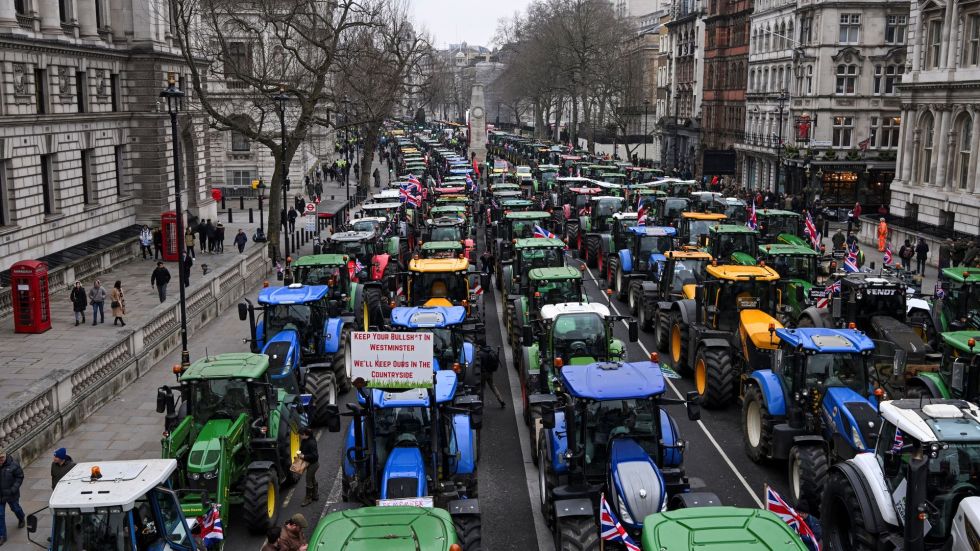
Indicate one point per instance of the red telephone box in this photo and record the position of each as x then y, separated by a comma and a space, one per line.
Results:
168, 225
32, 303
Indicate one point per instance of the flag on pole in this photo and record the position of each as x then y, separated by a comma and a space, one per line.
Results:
407, 196
752, 221
898, 442
610, 529
641, 216
775, 504
810, 229
829, 293
888, 254
211, 530
541, 232
851, 261
939, 291
469, 183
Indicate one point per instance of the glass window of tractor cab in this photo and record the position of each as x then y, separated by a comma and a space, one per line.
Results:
541, 258
445, 233
686, 272
796, 267
579, 336
364, 225
559, 291
611, 419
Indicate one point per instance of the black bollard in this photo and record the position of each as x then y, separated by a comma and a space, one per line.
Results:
230, 219
251, 216
223, 207
241, 202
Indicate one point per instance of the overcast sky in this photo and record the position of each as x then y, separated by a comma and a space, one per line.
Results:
470, 21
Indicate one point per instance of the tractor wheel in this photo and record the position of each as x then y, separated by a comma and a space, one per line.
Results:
322, 385
468, 532
842, 521
576, 534
678, 342
532, 435
509, 320
600, 264
807, 474
756, 425
714, 377
613, 276
571, 232
591, 251
260, 501
376, 307
634, 297
515, 335
341, 378
389, 278
662, 331
546, 481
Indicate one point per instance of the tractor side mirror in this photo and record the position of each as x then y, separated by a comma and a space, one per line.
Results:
634, 331
333, 418
31, 524
776, 360
548, 416
242, 311
527, 335
165, 400
693, 406
280, 276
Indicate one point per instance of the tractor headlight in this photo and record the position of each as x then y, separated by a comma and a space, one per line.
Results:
195, 476
856, 439
210, 475
624, 514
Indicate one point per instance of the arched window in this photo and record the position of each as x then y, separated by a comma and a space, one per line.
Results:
765, 80
767, 42
925, 145
965, 128
782, 35
752, 80
789, 76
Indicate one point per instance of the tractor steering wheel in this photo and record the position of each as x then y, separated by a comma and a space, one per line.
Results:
578, 347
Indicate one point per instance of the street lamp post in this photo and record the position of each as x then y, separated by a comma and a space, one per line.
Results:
281, 98
347, 167
783, 98
174, 97
646, 110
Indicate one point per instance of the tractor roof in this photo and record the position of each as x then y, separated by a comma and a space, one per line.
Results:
449, 190
446, 220
960, 340
868, 279
826, 340
448, 208
427, 316
320, 260
505, 187
515, 202
441, 246
683, 255
575, 179
743, 273
122, 483
225, 366
729, 200
625, 215
347, 236
703, 216
539, 243
438, 265
605, 198
731, 228
776, 212
551, 311
585, 190
527, 215
934, 420
376, 219
719, 528
653, 231
787, 250
546, 274
613, 380
400, 528
962, 275
296, 293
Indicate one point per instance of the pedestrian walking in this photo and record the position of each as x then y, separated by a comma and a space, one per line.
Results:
489, 363
146, 242
272, 539
308, 453
292, 215
299, 202
853, 217
377, 177
11, 477
189, 243
159, 279
240, 240
202, 235
188, 263
882, 234
60, 465
157, 243
211, 233
96, 297
118, 303
906, 253
921, 254
79, 302
219, 236
292, 537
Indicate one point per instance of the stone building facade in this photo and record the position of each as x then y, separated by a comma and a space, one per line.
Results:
85, 141
681, 129
726, 51
936, 190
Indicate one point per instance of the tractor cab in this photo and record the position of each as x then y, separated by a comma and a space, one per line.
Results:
438, 282
733, 244
797, 266
514, 226
780, 226
530, 253
301, 308
617, 178
746, 291
958, 375
452, 339
640, 259
374, 224
666, 211
683, 272
600, 213
733, 208
359, 245
117, 505
702, 201
581, 333
681, 188
441, 249
959, 309
554, 286
445, 229
695, 226
575, 200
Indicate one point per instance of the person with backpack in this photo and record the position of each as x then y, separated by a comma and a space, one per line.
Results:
489, 363
906, 253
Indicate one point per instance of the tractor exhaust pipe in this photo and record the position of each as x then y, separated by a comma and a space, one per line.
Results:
915, 498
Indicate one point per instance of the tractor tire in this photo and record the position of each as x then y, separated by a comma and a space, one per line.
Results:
592, 251
646, 321
576, 534
756, 425
322, 385
389, 279
260, 501
468, 532
714, 378
634, 297
571, 232
516, 327
678, 342
546, 481
374, 297
842, 521
622, 285
611, 273
341, 378
509, 321
807, 474
662, 330
532, 436
601, 264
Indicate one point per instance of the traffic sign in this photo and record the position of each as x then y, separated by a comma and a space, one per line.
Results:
310, 208
310, 223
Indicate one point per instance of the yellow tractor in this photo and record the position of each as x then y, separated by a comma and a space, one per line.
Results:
443, 282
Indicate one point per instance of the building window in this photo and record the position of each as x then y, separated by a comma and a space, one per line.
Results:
118, 168
5, 217
934, 52
963, 158
843, 128
895, 27
846, 79
947, 220
81, 90
88, 155
806, 24
99, 15
239, 142
887, 78
114, 91
240, 177
925, 157
809, 79
972, 54
41, 90
47, 184
64, 11
884, 134
239, 60
20, 7
850, 28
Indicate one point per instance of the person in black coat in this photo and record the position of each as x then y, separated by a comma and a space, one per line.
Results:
11, 477
308, 453
188, 263
159, 279
921, 254
79, 302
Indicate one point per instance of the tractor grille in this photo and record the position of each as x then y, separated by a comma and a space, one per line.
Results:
867, 420
402, 487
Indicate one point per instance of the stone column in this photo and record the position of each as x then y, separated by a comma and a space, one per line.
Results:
974, 161
87, 24
50, 19
900, 153
951, 47
948, 22
478, 124
940, 147
8, 15
915, 159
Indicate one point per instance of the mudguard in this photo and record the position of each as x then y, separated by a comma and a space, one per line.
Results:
520, 312
650, 288
638, 482
566, 211
873, 498
673, 457
462, 446
816, 315
933, 383
558, 443
687, 308
531, 359
261, 465
507, 277
468, 353
404, 463
378, 265
580, 507
260, 334
605, 243
692, 351
625, 261
332, 330
841, 406
772, 391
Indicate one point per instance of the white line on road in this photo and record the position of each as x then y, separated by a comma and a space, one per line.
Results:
677, 393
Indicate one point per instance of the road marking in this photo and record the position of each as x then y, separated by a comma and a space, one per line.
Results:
677, 393
545, 541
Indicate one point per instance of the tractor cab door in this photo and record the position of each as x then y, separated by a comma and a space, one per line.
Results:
169, 519
888, 368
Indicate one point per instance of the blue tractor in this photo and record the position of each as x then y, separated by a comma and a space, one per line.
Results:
605, 432
641, 261
303, 333
815, 406
416, 446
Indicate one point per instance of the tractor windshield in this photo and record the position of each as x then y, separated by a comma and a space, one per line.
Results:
699, 228
953, 475
318, 275
559, 291
446, 344
579, 336
359, 249
653, 243
635, 419
277, 316
98, 530
364, 225
777, 224
607, 206
837, 370
218, 399
445, 233
735, 242
674, 206
964, 299
541, 258
401, 427
686, 272
735, 212
580, 200
443, 285
796, 267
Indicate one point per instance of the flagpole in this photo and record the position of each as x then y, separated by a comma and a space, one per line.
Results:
602, 541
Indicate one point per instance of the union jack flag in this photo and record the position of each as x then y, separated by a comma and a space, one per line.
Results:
358, 267
939, 292
830, 291
888, 254
610, 529
752, 221
541, 232
851, 262
641, 216
775, 504
899, 442
411, 198
211, 531
469, 182
810, 229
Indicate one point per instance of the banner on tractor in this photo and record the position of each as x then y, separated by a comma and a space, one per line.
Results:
392, 360
407, 502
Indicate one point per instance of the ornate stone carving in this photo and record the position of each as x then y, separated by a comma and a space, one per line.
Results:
20, 79
102, 88
64, 81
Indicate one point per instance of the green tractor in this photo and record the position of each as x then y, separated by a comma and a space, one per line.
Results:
781, 226
797, 267
959, 306
234, 434
505, 233
530, 253
732, 244
539, 287
394, 528
958, 375
595, 229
